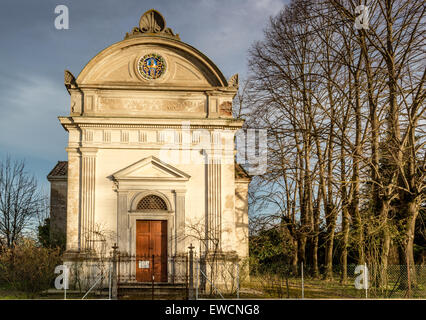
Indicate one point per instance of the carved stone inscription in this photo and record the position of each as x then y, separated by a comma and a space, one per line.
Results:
113, 104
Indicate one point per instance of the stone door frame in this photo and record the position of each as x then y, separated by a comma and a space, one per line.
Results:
131, 188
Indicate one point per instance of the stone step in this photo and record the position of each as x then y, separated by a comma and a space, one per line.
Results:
137, 290
149, 285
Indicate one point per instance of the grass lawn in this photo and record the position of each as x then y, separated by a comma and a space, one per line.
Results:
319, 289
256, 288
8, 293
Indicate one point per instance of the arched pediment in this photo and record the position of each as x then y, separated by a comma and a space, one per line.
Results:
119, 65
151, 73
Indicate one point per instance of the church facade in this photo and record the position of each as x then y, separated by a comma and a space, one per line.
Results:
150, 152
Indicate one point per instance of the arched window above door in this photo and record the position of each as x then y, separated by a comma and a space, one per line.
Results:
151, 203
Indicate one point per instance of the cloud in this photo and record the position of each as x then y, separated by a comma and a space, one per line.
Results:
28, 116
34, 55
224, 30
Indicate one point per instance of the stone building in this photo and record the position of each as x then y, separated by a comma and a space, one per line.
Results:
58, 200
150, 152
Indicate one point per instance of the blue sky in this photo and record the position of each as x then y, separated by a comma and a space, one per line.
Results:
34, 55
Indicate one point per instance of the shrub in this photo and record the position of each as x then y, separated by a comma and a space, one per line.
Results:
29, 268
50, 239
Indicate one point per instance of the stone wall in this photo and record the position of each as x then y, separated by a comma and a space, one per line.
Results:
58, 200
58, 207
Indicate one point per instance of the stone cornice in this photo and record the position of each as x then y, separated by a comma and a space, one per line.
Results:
149, 123
73, 150
129, 86
88, 151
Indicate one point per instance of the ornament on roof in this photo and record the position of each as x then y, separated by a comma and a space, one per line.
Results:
69, 79
152, 23
233, 81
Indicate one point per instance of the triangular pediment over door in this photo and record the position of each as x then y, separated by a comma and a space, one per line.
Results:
150, 177
150, 169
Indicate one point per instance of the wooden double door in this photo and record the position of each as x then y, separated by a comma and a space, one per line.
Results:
151, 250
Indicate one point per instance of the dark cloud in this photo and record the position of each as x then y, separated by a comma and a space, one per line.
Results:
34, 54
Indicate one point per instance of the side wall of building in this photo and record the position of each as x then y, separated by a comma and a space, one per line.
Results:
58, 207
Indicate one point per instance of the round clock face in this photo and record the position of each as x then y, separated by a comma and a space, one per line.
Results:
152, 66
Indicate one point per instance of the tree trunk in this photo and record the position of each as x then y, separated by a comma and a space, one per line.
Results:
386, 243
329, 245
315, 238
295, 261
412, 212
345, 230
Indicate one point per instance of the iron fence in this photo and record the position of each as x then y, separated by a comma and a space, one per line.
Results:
208, 276
227, 277
141, 268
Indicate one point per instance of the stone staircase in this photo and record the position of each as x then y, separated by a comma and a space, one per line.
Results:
144, 291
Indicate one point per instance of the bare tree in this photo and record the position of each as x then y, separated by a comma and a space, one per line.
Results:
393, 54
20, 201
344, 109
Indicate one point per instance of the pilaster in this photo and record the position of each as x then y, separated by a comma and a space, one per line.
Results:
87, 217
214, 203
122, 223
73, 201
180, 221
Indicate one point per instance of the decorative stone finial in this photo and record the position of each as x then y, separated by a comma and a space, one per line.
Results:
69, 79
152, 23
233, 81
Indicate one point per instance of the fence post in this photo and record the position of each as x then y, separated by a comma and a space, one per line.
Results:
173, 268
191, 272
198, 279
238, 279
110, 280
187, 275
303, 288
66, 280
152, 278
366, 280
114, 282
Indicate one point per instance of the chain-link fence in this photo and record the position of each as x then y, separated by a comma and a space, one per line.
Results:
228, 277
217, 277
361, 282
